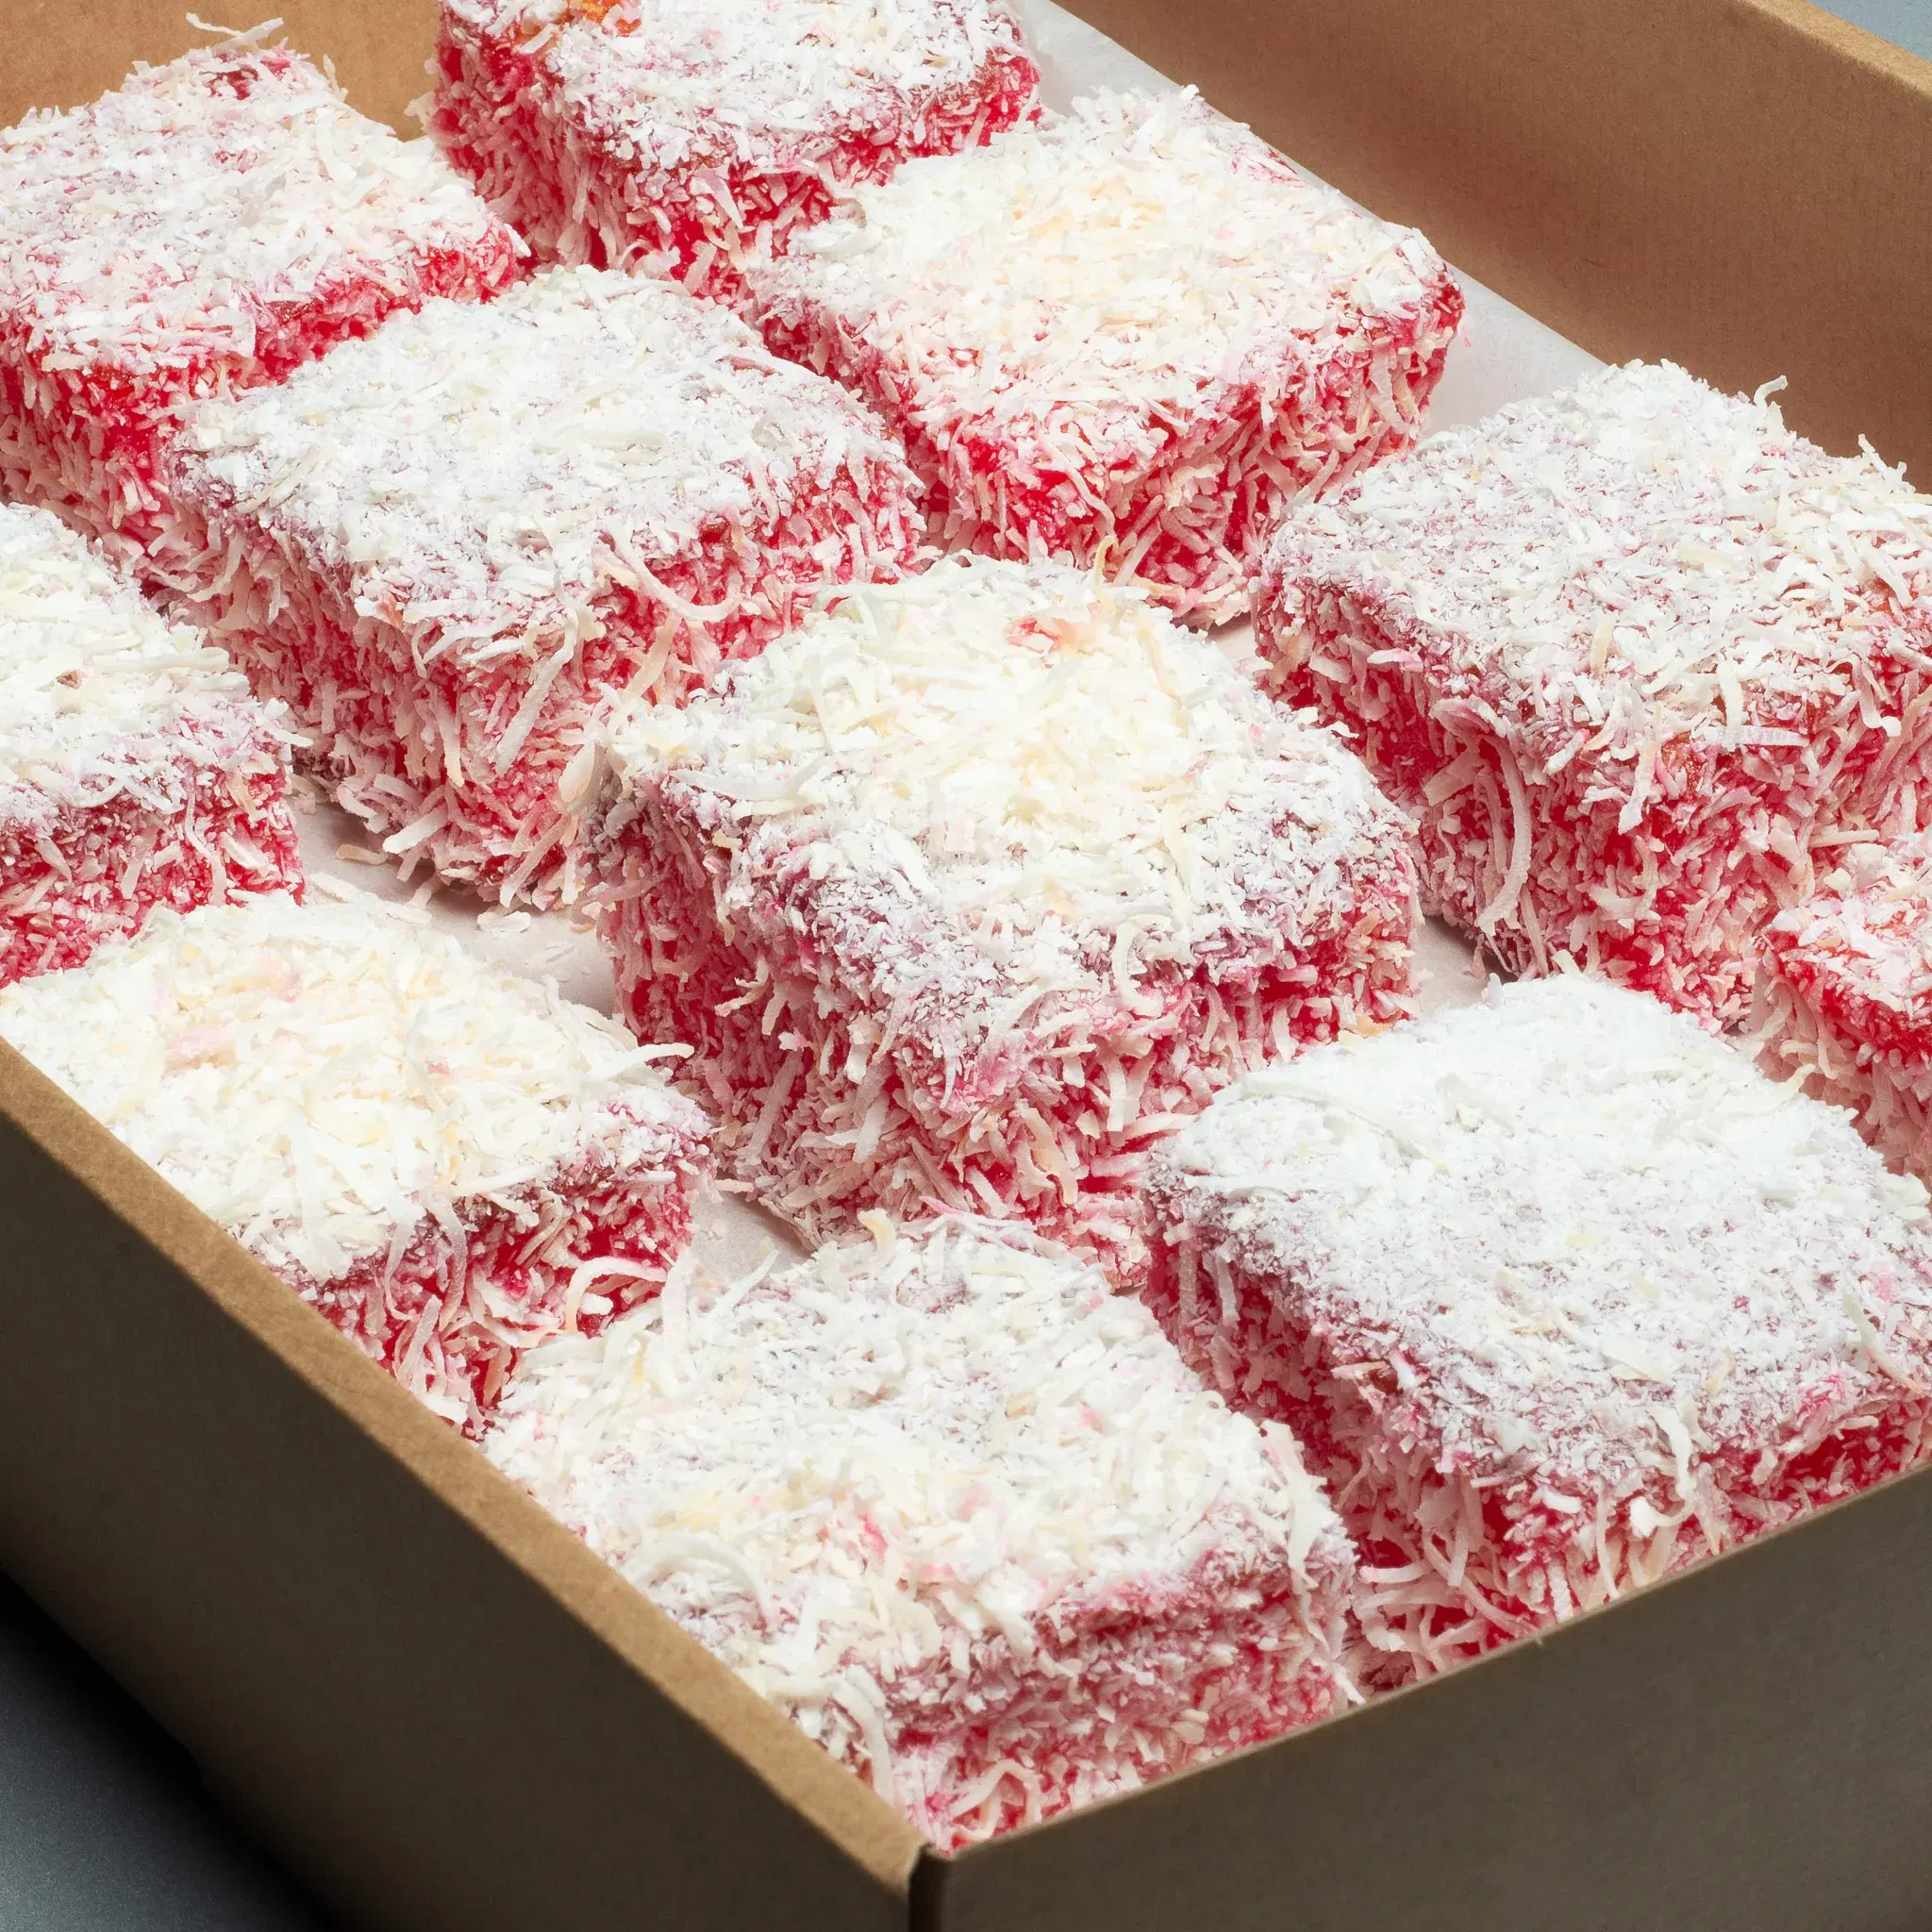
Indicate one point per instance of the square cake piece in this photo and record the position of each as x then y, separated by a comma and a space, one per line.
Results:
1844, 994
446, 1159
958, 1511
974, 883
689, 138
1127, 335
135, 770
447, 546
1559, 1291
207, 227
1632, 655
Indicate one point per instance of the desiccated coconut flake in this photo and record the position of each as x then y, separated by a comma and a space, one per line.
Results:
1843, 1000
1130, 333
1680, 644
342, 1088
688, 139
451, 545
208, 224
135, 769
1635, 1304
955, 1507
976, 881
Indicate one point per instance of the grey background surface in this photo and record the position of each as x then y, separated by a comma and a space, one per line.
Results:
1908, 22
102, 1822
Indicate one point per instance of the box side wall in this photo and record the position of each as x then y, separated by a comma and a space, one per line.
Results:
1737, 185
1740, 1750
433, 1702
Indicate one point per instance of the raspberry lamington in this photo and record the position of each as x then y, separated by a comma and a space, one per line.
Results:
1559, 1293
135, 769
207, 227
1633, 655
976, 882
689, 138
1129, 335
447, 546
447, 1161
1844, 992
958, 1511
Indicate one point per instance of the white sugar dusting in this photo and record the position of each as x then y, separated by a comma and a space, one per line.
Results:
1047, 770
1640, 557
483, 472
99, 695
1099, 269
676, 84
890, 1460
168, 223
324, 1079
1596, 1244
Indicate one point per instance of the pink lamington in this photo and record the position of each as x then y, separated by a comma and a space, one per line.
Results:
448, 546
1129, 335
976, 883
446, 1159
1637, 657
207, 227
688, 139
136, 771
1559, 1293
1845, 994
959, 1511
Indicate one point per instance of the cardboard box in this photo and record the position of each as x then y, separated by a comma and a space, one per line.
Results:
442, 1712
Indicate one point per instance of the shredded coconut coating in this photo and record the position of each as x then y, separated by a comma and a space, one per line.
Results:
1559, 1291
973, 883
135, 769
448, 546
445, 1157
958, 1511
1635, 657
206, 226
1845, 995
1132, 334
694, 139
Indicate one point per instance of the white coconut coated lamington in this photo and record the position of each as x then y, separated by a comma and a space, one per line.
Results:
135, 770
1845, 994
206, 226
446, 1159
1637, 657
976, 883
1131, 334
448, 546
689, 140
1559, 1293
956, 1508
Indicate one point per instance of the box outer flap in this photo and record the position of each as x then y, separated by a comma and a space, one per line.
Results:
429, 1697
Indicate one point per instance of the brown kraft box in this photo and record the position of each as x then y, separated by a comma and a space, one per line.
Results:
441, 1711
